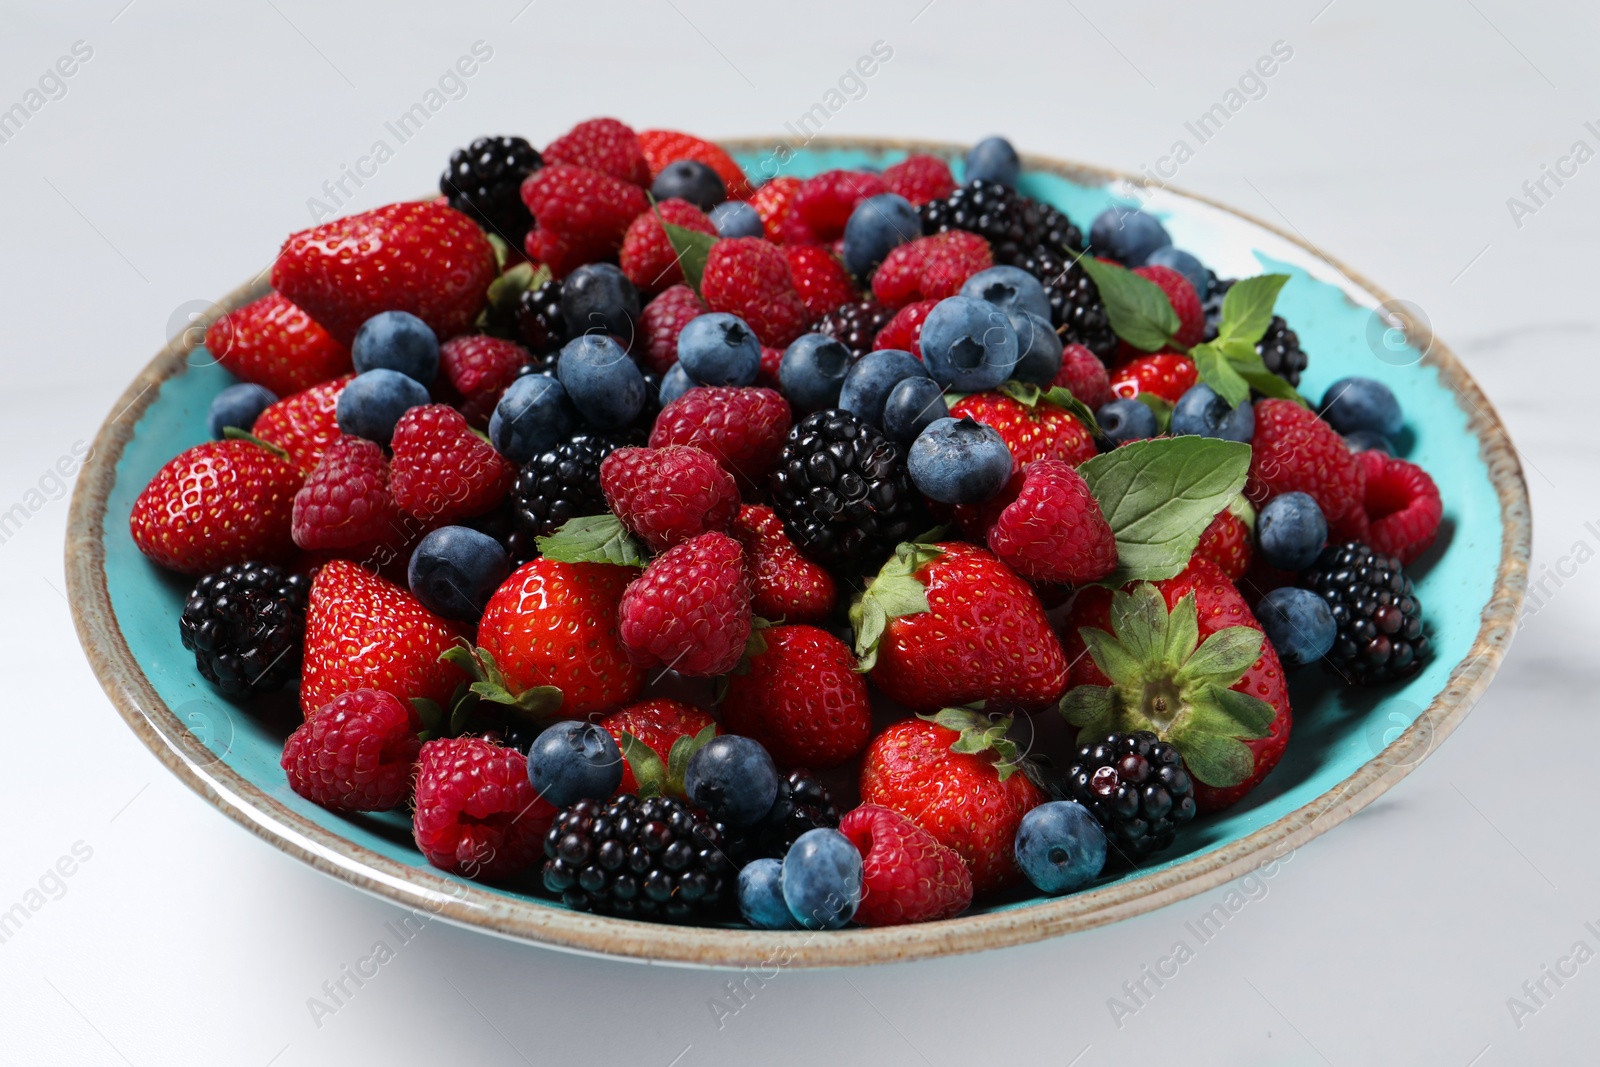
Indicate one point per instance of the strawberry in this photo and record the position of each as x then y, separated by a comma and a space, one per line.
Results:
820, 279
949, 624
920, 179
443, 471
345, 502
1401, 504
904, 331
647, 256
750, 278
274, 343
668, 495
605, 145
930, 268
1185, 659
657, 724
480, 368
773, 202
419, 257
662, 320
1084, 376
1053, 532
822, 205
1184, 300
907, 875
668, 146
744, 428
786, 584
217, 503
1295, 451
303, 424
1164, 374
690, 609
580, 215
1033, 428
800, 696
1227, 542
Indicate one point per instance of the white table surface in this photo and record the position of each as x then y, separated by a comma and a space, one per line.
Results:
186, 147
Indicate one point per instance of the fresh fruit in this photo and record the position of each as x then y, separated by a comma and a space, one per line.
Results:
1226, 542
733, 779
454, 571
868, 382
1163, 374
691, 181
802, 804
534, 415
1040, 430
664, 146
1125, 419
303, 424
605, 145
657, 724
761, 895
1076, 309
784, 584
1185, 264
346, 502
1136, 788
1290, 531
911, 407
1053, 531
1180, 293
736, 218
993, 160
744, 429
442, 472
537, 321
719, 349
773, 202
484, 181
856, 325
690, 609
1381, 636
662, 322
801, 698
930, 268
1367, 441
968, 345
822, 879
647, 257
580, 215
1202, 412
374, 401
959, 461
397, 341
356, 754
1279, 348
601, 381
1352, 404
476, 815
813, 371
1060, 846
907, 875
920, 179
750, 278
1039, 349
824, 203
878, 225
480, 369
572, 761
246, 626
559, 484
600, 298
1402, 506
1294, 451
1011, 289
820, 279
1127, 236
1017, 227
903, 332
237, 407
273, 343
668, 495
1299, 623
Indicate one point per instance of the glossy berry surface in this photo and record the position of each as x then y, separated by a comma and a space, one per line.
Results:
1060, 846
245, 625
1136, 787
1380, 628
572, 761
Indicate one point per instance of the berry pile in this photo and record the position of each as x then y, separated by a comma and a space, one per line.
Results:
694, 550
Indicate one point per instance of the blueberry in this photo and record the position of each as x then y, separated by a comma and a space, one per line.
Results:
533, 416
735, 218
733, 779
1299, 624
604, 384
1352, 404
1127, 236
599, 298
1290, 531
959, 461
822, 879
691, 180
1185, 264
993, 159
867, 384
1011, 289
812, 371
573, 761
675, 383
454, 570
877, 226
968, 345
761, 895
1123, 420
1060, 846
1203, 413
1368, 441
238, 406
914, 404
374, 401
397, 341
719, 349
1038, 348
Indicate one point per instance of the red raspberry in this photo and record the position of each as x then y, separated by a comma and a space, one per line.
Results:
647, 256
802, 698
744, 428
303, 424
605, 145
663, 319
920, 179
1226, 542
930, 268
690, 609
346, 501
820, 279
1084, 376
1053, 531
581, 215
476, 812
823, 205
443, 472
276, 344
771, 361
904, 331
1401, 504
657, 724
750, 278
668, 146
668, 495
1184, 300
773, 202
355, 754
786, 584
480, 368
1166, 374
907, 875
1294, 451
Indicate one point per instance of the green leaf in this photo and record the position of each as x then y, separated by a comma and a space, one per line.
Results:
507, 287
1062, 397
678, 756
1090, 707
647, 767
1223, 658
233, 433
1162, 409
1247, 307
1025, 393
1159, 495
1250, 715
1183, 633
895, 592
1112, 657
1216, 760
1139, 311
429, 711
980, 732
1140, 621
1217, 371
690, 246
594, 539
1266, 383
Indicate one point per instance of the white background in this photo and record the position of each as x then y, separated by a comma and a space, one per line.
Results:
185, 150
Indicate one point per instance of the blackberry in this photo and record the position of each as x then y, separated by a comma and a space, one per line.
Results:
1076, 310
246, 626
656, 859
843, 491
484, 181
1015, 225
1279, 348
561, 484
803, 804
538, 325
1380, 636
1136, 787
856, 325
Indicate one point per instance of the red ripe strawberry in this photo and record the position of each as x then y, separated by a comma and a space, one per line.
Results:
647, 256
1294, 451
1084, 376
1184, 300
1053, 531
476, 813
920, 179
904, 331
442, 471
744, 428
657, 724
217, 503
1165, 374
1037, 431
907, 875
971, 801
1228, 544
801, 698
668, 146
580, 215
663, 319
930, 268
1401, 504
668, 495
690, 609
554, 623
1187, 638
982, 636
773, 202
771, 361
820, 279
363, 632
355, 754
274, 343
605, 145
345, 502
419, 257
785, 583
303, 424
480, 368
823, 204
750, 278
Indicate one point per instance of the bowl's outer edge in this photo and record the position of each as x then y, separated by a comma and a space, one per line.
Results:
470, 905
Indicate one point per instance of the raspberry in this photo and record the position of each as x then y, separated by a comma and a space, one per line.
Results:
786, 585
647, 256
1402, 506
1032, 432
822, 205
580, 215
355, 754
1226, 542
904, 331
668, 146
274, 343
1184, 300
920, 179
605, 145
820, 279
476, 812
668, 495
303, 424
1084, 376
1294, 451
345, 502
1165, 374
907, 875
744, 428
690, 610
479, 368
442, 471
1053, 531
772, 202
771, 361
663, 319
750, 278
930, 268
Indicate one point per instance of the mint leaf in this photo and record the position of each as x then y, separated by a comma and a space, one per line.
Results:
1266, 383
1247, 307
593, 539
1139, 311
1217, 371
1062, 397
1162, 409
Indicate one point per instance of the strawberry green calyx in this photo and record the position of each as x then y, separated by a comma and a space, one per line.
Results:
536, 705
1165, 680
233, 433
654, 777
981, 732
893, 593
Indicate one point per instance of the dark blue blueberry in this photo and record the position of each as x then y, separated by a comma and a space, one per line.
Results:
1126, 235
238, 406
675, 383
959, 461
603, 383
1123, 420
1203, 413
691, 180
1011, 289
877, 226
1290, 531
599, 298
374, 401
867, 384
1038, 349
573, 761
822, 879
533, 416
397, 341
454, 571
1352, 404
914, 404
736, 218
1060, 846
994, 160
719, 349
1185, 264
812, 372
761, 895
1299, 624
1368, 441
968, 345
733, 779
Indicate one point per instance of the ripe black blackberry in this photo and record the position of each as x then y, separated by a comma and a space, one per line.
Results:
803, 804
1076, 310
1015, 225
561, 484
484, 180
1380, 636
1136, 787
246, 626
856, 325
538, 325
657, 859
1279, 347
843, 491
